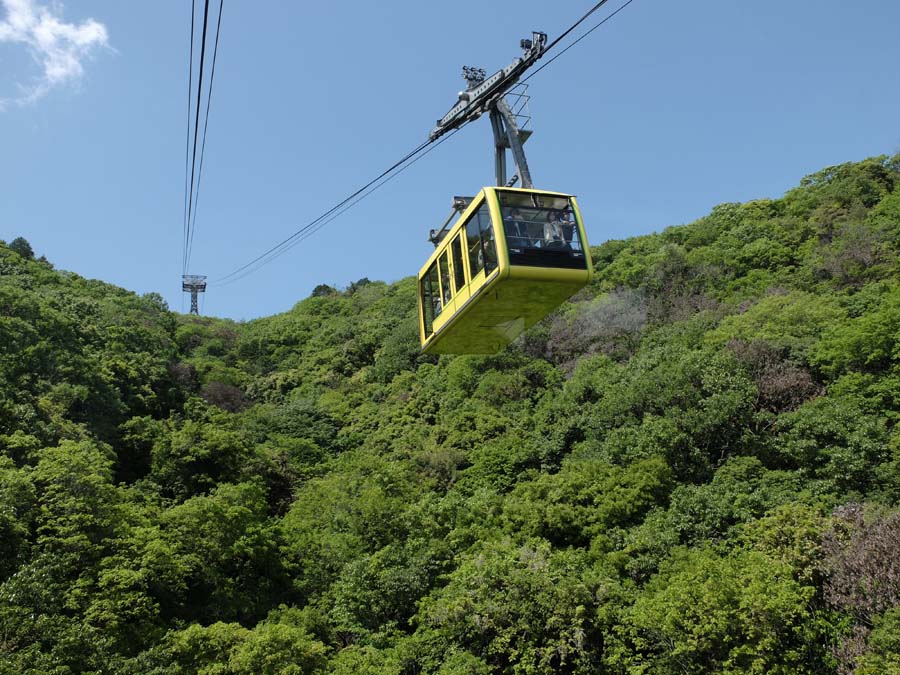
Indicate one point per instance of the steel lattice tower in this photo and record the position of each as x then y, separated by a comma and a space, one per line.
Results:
193, 284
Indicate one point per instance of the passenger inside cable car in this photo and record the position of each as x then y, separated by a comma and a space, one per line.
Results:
540, 232
516, 229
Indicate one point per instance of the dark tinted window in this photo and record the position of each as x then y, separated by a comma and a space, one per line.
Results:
446, 293
473, 240
431, 299
459, 273
541, 230
487, 238
480, 239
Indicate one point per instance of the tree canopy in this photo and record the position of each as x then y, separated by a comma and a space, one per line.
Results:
692, 466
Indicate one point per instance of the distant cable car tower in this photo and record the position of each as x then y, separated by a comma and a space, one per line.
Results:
193, 284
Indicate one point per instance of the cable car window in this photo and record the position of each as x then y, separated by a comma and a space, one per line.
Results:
487, 239
436, 303
446, 294
473, 239
541, 230
431, 301
479, 236
459, 274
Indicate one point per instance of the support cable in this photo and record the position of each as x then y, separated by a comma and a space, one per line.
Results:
575, 25
187, 144
398, 167
411, 154
196, 124
575, 42
212, 75
311, 229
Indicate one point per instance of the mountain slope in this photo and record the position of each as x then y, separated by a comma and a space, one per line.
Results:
690, 467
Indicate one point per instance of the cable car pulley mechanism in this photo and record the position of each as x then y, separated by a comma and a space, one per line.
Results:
509, 123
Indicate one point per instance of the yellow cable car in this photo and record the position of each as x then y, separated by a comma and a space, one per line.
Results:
511, 258
514, 254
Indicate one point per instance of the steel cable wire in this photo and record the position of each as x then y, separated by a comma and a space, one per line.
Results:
212, 74
575, 42
327, 213
311, 228
315, 225
187, 143
575, 25
196, 124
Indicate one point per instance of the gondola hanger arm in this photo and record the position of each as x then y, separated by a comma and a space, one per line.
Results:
483, 93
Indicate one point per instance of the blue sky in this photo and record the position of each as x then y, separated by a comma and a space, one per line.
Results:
666, 111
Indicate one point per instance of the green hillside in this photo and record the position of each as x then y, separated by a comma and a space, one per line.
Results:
692, 467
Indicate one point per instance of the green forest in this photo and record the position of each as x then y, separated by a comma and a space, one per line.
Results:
692, 466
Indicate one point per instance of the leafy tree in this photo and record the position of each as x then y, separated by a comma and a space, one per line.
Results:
18, 499
692, 466
883, 657
523, 609
21, 246
323, 290
586, 500
743, 613
834, 439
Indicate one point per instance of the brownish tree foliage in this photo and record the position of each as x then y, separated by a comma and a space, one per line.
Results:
863, 573
225, 396
781, 385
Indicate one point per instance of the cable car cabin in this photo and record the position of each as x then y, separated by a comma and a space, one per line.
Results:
511, 258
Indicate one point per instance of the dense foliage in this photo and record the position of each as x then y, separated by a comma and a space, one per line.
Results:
692, 467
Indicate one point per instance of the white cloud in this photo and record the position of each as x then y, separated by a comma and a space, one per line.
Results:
58, 48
